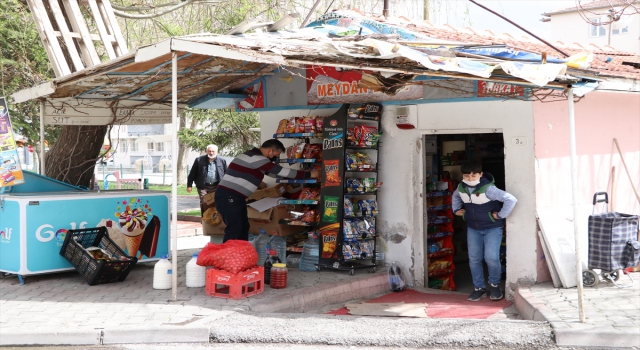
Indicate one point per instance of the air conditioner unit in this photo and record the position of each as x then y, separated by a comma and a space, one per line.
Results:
407, 117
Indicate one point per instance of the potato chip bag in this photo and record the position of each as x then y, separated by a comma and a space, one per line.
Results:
319, 124
330, 213
309, 124
332, 172
282, 126
329, 243
299, 125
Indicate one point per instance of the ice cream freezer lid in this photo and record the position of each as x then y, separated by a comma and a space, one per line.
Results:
36, 183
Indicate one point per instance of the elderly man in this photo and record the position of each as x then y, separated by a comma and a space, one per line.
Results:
206, 172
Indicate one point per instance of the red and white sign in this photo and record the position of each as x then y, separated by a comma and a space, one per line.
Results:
255, 99
330, 85
490, 89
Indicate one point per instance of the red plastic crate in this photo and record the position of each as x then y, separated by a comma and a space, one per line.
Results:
223, 284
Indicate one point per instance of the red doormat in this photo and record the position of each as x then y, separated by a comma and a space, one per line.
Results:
441, 305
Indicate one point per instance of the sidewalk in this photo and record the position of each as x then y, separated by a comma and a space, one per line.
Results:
62, 309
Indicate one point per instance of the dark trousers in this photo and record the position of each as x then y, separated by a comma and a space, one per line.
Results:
233, 209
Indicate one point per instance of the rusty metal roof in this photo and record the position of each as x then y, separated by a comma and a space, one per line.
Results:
219, 66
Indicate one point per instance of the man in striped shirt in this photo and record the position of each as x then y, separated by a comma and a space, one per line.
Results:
243, 176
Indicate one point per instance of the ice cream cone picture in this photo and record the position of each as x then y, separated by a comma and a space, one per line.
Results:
114, 232
133, 222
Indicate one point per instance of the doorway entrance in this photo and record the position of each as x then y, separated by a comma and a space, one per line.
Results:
447, 261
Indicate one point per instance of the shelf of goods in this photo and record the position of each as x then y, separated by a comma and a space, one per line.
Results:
440, 248
349, 191
305, 153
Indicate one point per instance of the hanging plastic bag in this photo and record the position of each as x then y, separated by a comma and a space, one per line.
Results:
396, 279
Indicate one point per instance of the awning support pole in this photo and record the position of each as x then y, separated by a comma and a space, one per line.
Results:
574, 197
42, 172
174, 176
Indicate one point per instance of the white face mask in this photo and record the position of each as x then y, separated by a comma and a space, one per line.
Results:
471, 183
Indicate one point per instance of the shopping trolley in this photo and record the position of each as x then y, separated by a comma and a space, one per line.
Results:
613, 245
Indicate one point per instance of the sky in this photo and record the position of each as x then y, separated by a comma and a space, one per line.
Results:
462, 13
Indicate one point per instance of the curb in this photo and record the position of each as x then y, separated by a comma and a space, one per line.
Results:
312, 298
570, 334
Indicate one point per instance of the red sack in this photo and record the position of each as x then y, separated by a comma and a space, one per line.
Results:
232, 256
208, 255
239, 256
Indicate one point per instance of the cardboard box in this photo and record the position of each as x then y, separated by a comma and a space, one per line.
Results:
210, 230
269, 192
268, 221
209, 198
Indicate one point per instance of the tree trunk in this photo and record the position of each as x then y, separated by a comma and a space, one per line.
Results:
73, 157
183, 150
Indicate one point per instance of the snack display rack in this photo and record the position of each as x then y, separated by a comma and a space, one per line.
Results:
348, 204
297, 154
440, 248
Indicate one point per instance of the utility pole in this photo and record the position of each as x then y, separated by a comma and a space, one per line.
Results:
426, 10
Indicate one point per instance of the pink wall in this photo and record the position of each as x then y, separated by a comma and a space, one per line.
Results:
600, 117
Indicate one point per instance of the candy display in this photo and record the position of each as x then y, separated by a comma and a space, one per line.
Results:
363, 136
361, 185
358, 229
368, 207
357, 250
359, 162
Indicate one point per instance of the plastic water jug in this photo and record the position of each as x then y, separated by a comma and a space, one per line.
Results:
162, 273
310, 254
196, 274
260, 244
278, 244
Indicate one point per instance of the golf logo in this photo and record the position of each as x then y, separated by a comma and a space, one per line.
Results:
5, 235
45, 233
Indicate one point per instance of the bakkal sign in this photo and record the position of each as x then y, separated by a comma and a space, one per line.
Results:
330, 85
490, 89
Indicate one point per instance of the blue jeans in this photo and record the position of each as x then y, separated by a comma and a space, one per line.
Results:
484, 245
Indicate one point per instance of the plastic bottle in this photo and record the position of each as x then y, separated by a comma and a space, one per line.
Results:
260, 244
278, 244
272, 258
396, 281
279, 274
196, 274
310, 254
162, 273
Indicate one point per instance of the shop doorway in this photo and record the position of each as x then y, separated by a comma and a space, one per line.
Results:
447, 259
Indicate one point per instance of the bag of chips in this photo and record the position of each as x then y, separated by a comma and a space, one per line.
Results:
291, 125
299, 125
332, 172
319, 124
348, 208
366, 136
282, 126
309, 124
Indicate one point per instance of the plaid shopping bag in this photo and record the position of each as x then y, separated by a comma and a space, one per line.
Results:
631, 254
608, 237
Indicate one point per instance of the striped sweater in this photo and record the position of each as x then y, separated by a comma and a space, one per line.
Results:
246, 171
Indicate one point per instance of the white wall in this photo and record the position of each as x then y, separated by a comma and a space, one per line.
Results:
402, 202
571, 28
401, 161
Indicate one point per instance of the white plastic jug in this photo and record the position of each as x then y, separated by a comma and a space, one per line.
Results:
260, 243
196, 274
162, 273
278, 244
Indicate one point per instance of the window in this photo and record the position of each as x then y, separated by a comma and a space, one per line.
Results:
150, 146
597, 30
134, 146
160, 146
124, 146
619, 28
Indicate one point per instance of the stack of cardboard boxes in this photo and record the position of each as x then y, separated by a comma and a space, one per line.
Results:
266, 220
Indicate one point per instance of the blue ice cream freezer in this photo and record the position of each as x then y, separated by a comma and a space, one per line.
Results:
35, 219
